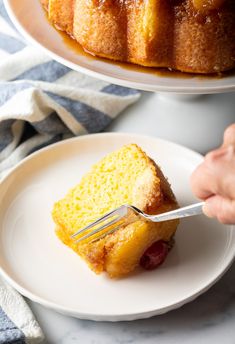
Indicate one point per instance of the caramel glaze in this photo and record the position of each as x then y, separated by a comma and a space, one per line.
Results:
199, 11
164, 72
207, 5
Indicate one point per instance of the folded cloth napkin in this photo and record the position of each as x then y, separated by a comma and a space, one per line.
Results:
42, 102
17, 324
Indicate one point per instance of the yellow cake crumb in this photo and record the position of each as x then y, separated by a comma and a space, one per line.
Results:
126, 176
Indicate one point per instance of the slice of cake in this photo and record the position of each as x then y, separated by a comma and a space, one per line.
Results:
126, 176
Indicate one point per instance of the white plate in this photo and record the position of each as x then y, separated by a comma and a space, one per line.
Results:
37, 264
39, 32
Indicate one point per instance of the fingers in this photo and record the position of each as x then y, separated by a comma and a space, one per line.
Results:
221, 164
202, 182
216, 175
214, 180
221, 208
229, 136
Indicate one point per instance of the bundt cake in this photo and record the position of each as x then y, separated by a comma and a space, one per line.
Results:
196, 36
126, 176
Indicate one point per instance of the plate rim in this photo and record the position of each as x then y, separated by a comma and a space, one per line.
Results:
116, 316
111, 79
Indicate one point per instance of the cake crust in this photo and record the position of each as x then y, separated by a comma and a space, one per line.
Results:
119, 253
177, 34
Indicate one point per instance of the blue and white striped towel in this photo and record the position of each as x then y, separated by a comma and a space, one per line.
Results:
17, 323
42, 102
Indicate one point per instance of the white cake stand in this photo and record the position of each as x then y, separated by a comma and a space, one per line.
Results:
193, 111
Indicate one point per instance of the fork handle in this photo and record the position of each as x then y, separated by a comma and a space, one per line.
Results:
190, 210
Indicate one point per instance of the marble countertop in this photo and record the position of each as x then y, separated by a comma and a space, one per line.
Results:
209, 319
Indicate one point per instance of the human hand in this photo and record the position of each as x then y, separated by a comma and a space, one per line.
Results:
214, 180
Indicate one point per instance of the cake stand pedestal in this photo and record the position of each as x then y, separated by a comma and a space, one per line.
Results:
196, 121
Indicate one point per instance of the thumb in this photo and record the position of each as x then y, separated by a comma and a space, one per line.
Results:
221, 208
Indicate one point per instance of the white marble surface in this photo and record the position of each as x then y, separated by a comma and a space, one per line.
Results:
209, 319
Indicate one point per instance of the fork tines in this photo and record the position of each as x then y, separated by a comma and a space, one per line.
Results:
105, 225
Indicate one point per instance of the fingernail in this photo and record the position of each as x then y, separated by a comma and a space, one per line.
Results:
207, 209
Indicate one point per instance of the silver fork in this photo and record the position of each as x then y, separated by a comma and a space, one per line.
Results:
127, 214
